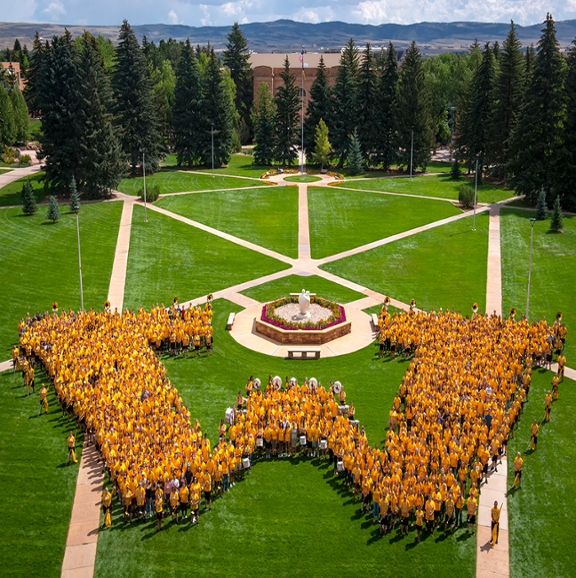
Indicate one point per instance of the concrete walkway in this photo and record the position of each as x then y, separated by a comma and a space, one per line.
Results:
494, 274
303, 223
15, 174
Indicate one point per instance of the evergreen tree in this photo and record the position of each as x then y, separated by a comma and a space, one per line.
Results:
187, 108
217, 116
102, 163
163, 86
414, 112
556, 224
28, 199
509, 88
236, 58
287, 116
367, 99
32, 74
136, 103
20, 112
7, 128
345, 117
264, 122
455, 171
473, 134
568, 160
355, 158
322, 146
53, 212
57, 98
74, 197
386, 139
529, 59
541, 207
319, 105
536, 146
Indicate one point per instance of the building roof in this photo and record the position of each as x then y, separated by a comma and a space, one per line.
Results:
311, 59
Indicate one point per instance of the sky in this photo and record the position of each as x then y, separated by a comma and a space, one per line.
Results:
225, 13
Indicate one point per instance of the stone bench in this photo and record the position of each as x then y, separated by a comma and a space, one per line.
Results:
375, 322
230, 321
304, 353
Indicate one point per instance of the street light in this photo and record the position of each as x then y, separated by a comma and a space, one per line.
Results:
212, 135
475, 193
144, 175
411, 150
79, 263
532, 221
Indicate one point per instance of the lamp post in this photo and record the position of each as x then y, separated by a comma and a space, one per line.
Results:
144, 175
532, 221
79, 263
212, 135
411, 150
475, 193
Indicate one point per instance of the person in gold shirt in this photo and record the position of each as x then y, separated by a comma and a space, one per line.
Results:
430, 509
495, 528
548, 404
71, 441
106, 507
159, 507
419, 522
43, 399
534, 439
518, 463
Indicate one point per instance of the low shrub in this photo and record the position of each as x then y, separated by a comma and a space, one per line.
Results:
466, 196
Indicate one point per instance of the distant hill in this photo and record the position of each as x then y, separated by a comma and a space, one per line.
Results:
287, 35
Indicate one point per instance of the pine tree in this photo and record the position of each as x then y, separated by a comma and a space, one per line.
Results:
102, 159
20, 112
217, 115
236, 58
264, 122
53, 212
541, 207
355, 158
29, 206
536, 146
163, 86
367, 99
322, 146
32, 74
345, 117
556, 224
386, 143
135, 103
455, 171
7, 128
287, 116
509, 87
74, 197
319, 105
568, 160
473, 134
414, 112
58, 100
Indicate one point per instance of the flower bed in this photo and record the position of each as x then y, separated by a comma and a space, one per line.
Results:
338, 314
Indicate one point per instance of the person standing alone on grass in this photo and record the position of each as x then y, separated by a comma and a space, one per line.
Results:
518, 463
534, 439
43, 399
71, 441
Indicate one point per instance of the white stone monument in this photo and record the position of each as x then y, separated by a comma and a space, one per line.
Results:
304, 303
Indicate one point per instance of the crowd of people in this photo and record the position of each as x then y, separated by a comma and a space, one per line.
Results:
458, 403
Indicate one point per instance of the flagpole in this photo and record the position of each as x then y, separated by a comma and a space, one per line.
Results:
302, 168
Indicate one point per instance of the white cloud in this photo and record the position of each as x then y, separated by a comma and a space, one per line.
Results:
173, 17
54, 10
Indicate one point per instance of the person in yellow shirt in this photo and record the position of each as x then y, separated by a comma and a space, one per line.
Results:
449, 513
71, 441
518, 463
419, 522
195, 501
159, 507
495, 528
141, 500
534, 439
127, 499
106, 507
471, 506
174, 502
430, 509
184, 498
548, 405
43, 399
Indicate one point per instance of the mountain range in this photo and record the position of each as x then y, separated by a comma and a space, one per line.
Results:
289, 36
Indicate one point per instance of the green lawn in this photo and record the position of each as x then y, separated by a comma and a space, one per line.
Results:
239, 165
10, 194
541, 513
295, 283
174, 181
39, 261
266, 217
341, 219
441, 186
443, 267
36, 488
168, 258
302, 179
553, 273
34, 128
288, 517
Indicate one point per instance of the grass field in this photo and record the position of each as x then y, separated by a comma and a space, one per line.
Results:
168, 258
295, 283
541, 513
441, 186
287, 518
553, 274
37, 489
239, 165
341, 220
302, 179
266, 217
442, 267
11, 193
40, 262
173, 181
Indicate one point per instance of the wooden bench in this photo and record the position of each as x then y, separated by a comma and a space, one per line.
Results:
230, 321
375, 322
304, 353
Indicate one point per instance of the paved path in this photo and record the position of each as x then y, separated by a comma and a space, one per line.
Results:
15, 174
494, 274
303, 223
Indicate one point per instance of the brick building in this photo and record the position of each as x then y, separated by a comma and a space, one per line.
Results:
13, 68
